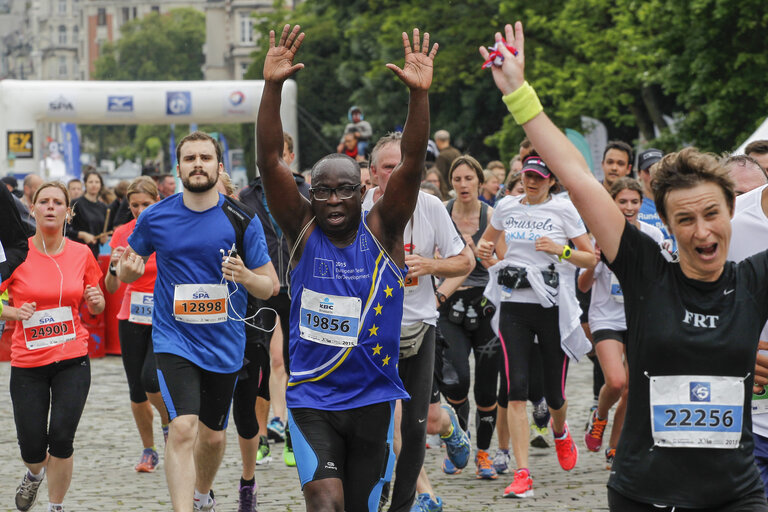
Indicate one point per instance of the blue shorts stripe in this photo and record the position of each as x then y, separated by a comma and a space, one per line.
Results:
166, 396
306, 459
375, 496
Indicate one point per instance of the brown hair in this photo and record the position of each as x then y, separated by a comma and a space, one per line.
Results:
469, 162
443, 187
194, 136
757, 146
142, 185
512, 179
686, 169
55, 184
288, 141
625, 183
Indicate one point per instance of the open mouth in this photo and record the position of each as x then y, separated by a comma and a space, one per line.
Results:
335, 217
707, 251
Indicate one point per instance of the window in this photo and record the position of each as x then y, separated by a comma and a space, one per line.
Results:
75, 34
246, 28
243, 70
62, 34
101, 16
62, 6
156, 9
134, 13
62, 66
126, 14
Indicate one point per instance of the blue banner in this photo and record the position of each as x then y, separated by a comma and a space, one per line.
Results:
70, 147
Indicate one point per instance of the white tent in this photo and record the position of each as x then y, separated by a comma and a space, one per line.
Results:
760, 134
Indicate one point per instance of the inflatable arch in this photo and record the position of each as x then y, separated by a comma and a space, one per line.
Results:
26, 106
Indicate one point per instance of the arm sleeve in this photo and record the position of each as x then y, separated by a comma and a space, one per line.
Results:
140, 240
12, 235
257, 253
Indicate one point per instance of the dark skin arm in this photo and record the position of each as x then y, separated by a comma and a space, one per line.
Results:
390, 214
290, 209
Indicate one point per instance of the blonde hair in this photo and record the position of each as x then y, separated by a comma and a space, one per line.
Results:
227, 182
142, 185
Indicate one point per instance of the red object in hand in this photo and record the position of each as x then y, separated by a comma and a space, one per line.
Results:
495, 58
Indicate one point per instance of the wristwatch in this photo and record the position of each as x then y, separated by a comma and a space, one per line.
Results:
441, 298
113, 270
567, 251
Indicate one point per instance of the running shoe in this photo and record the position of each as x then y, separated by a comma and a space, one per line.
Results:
288, 456
247, 501
610, 454
457, 442
521, 486
594, 435
485, 469
539, 436
149, 461
426, 504
208, 507
276, 430
262, 455
567, 452
540, 413
56, 508
165, 433
501, 461
26, 492
449, 468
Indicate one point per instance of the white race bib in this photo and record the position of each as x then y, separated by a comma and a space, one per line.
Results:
141, 308
48, 327
616, 293
696, 411
411, 285
329, 319
200, 303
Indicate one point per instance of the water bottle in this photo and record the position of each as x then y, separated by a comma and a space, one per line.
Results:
457, 312
470, 319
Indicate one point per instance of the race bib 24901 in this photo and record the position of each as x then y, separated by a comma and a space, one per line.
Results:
329, 319
697, 411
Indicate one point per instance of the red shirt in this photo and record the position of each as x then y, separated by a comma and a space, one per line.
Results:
38, 280
145, 283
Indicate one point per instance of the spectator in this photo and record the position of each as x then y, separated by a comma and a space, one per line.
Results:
489, 188
497, 167
362, 129
434, 177
75, 188
745, 171
758, 150
31, 183
515, 165
447, 154
166, 185
349, 146
617, 162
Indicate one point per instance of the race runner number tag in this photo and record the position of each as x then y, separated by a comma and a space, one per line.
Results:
200, 303
696, 411
141, 308
49, 327
411, 284
616, 293
329, 319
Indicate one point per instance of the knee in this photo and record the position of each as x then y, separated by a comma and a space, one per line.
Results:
457, 391
516, 406
61, 445
616, 383
213, 439
323, 498
183, 429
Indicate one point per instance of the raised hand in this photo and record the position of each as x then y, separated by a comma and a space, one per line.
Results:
279, 62
416, 73
511, 74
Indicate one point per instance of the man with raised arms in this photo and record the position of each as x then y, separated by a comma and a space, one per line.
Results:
346, 291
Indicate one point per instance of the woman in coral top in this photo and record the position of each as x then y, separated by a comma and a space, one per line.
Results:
135, 327
50, 370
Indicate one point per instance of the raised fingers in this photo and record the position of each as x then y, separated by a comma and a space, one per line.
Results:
416, 46
434, 51
406, 43
425, 43
284, 35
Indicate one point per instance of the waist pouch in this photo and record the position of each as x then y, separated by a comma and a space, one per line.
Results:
411, 338
517, 277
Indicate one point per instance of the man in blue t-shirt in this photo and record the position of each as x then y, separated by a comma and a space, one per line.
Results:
209, 257
346, 290
647, 213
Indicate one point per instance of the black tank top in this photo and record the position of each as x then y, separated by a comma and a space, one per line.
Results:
478, 276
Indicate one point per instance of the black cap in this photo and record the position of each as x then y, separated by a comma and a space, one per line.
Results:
537, 165
649, 157
10, 180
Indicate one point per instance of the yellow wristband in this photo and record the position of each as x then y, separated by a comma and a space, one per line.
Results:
523, 103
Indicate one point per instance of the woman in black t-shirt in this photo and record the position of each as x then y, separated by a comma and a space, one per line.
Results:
89, 214
692, 325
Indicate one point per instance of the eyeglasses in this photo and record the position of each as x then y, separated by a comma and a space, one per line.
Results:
342, 192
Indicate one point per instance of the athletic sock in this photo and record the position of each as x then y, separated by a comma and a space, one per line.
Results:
54, 507
527, 473
247, 483
462, 411
36, 477
485, 421
201, 500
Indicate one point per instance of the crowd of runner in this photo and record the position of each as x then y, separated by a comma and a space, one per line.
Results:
348, 300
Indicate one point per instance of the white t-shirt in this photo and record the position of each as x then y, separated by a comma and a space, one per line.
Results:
749, 234
430, 228
522, 224
606, 308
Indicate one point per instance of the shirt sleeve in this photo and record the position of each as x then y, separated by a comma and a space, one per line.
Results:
499, 212
638, 262
447, 239
573, 224
92, 273
754, 270
141, 240
256, 252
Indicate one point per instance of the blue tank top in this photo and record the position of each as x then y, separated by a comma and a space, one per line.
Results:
346, 309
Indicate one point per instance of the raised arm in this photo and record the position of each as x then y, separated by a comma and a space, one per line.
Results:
290, 209
592, 201
391, 213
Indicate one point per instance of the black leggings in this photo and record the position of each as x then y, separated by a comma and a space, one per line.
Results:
253, 382
416, 373
60, 387
520, 324
752, 502
535, 380
138, 359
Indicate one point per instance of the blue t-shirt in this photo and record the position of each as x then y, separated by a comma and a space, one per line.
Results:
648, 215
346, 310
187, 245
